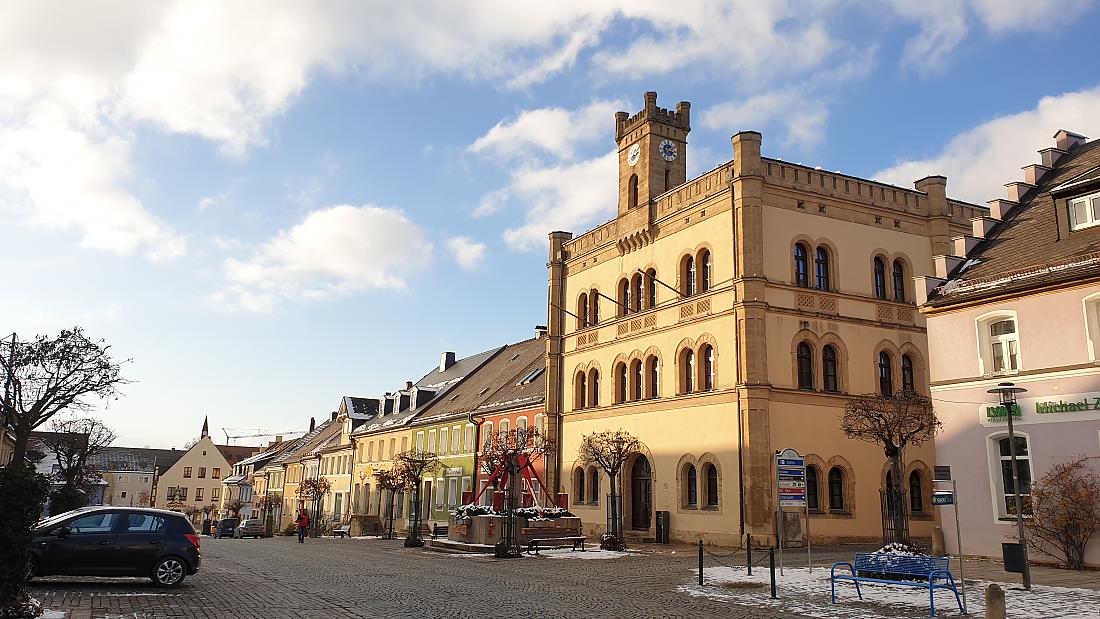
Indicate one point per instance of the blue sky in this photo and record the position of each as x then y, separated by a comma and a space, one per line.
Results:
270, 207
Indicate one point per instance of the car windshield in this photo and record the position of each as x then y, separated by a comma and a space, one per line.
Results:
52, 520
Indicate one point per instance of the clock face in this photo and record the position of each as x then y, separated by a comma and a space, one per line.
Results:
633, 154
667, 150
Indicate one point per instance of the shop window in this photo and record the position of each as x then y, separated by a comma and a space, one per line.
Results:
1003, 477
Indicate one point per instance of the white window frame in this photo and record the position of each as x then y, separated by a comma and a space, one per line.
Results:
1091, 306
468, 444
996, 485
444, 439
456, 439
1091, 202
420, 441
986, 340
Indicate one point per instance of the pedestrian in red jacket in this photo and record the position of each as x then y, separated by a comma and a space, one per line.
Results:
303, 524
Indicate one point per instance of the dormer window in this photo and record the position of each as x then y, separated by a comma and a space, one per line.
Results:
1084, 212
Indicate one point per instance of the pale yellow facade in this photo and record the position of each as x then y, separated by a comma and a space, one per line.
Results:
128, 488
720, 293
198, 475
374, 451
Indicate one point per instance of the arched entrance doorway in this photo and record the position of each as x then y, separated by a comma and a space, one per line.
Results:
641, 494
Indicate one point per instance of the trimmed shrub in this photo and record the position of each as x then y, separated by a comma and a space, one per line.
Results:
22, 493
67, 498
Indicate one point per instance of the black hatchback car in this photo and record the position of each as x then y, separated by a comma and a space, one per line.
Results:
117, 541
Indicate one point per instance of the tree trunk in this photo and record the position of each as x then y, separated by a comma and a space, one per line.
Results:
896, 498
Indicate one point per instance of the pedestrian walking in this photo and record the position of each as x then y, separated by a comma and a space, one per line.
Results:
303, 524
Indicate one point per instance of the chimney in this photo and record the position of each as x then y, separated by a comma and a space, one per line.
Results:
408, 385
540, 332
1065, 140
312, 424
446, 360
334, 415
278, 438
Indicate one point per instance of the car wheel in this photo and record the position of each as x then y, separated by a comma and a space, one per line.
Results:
169, 572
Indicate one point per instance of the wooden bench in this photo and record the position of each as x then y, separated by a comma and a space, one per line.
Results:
440, 530
342, 531
543, 537
912, 571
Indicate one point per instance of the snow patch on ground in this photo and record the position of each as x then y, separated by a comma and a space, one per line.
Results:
801, 591
595, 553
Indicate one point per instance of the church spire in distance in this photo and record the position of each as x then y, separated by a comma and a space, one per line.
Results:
205, 427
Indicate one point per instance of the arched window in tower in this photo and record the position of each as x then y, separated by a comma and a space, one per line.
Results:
907, 383
687, 370
880, 278
651, 288
805, 366
899, 281
593, 387
632, 191
668, 181
582, 311
624, 296
829, 369
821, 269
653, 385
801, 266
580, 384
688, 276
621, 383
704, 270
706, 353
885, 374
638, 293
594, 305
637, 379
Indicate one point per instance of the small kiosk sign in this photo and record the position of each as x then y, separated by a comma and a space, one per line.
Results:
790, 469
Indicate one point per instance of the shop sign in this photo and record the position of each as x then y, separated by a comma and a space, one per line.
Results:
454, 471
943, 498
1044, 409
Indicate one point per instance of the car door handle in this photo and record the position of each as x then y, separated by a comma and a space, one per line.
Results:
156, 543
103, 543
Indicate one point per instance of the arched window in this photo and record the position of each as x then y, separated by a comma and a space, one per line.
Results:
638, 293
578, 486
653, 385
899, 281
691, 486
688, 276
704, 270
916, 493
821, 269
581, 386
907, 383
651, 288
880, 278
582, 311
624, 296
805, 366
637, 379
829, 369
621, 383
836, 489
801, 266
593, 486
885, 374
706, 377
593, 387
594, 305
687, 370
632, 189
711, 474
812, 490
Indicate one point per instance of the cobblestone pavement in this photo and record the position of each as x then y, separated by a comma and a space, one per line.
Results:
274, 578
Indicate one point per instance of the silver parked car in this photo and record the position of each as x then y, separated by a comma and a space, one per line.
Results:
253, 527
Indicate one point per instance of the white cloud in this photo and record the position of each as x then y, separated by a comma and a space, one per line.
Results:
468, 253
333, 252
979, 161
804, 124
554, 131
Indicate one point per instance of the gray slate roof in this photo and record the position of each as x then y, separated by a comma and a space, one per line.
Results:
136, 459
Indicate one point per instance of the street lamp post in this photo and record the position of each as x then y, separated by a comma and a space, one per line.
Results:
1007, 394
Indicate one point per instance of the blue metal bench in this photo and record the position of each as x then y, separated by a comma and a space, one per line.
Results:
934, 572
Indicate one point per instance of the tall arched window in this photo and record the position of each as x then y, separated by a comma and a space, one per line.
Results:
581, 386
653, 385
899, 281
801, 265
812, 490
637, 379
880, 278
624, 296
711, 474
621, 383
582, 311
687, 370
651, 288
688, 276
691, 486
704, 270
916, 493
593, 387
885, 374
829, 369
805, 366
821, 269
578, 486
632, 189
836, 489
706, 353
594, 304
593, 486
637, 295
907, 382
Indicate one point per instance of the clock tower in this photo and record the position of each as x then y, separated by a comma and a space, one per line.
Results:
652, 151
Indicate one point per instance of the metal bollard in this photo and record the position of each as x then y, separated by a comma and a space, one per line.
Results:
700, 563
748, 558
771, 561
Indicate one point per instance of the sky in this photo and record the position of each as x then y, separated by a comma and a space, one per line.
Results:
264, 207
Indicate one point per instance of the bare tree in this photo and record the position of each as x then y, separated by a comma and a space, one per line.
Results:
75, 443
144, 499
894, 422
1065, 511
410, 467
45, 376
610, 450
314, 490
391, 482
530, 444
234, 507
